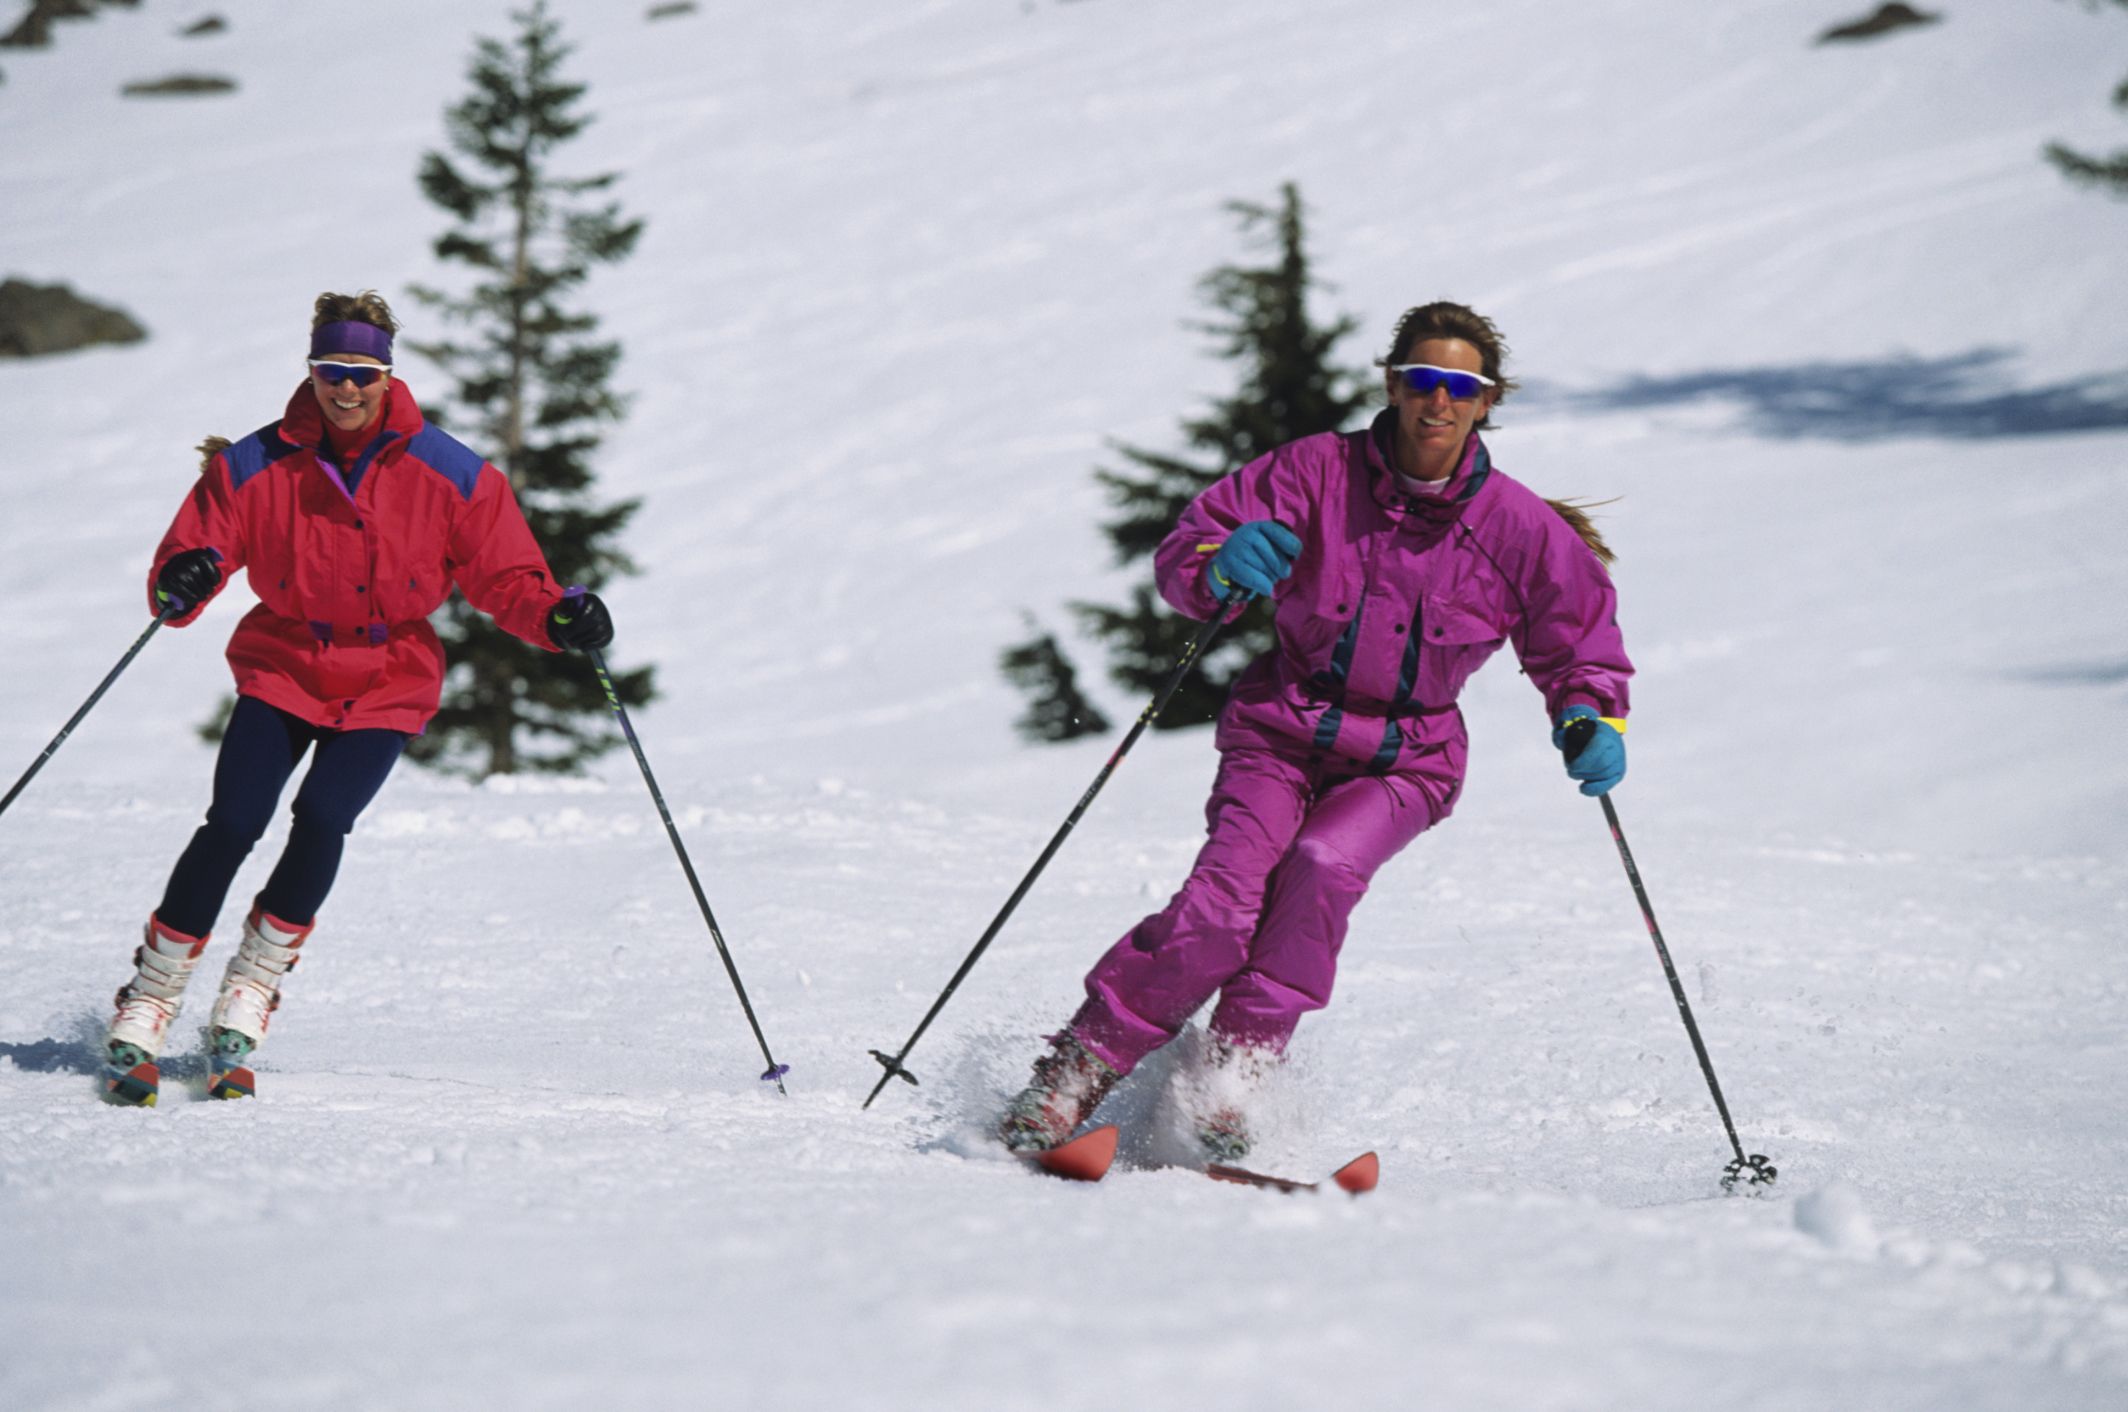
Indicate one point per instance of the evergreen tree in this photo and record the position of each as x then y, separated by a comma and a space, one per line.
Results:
533, 385
2109, 174
1289, 388
1056, 709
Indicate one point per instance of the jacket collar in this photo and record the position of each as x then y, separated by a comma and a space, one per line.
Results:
303, 424
1464, 482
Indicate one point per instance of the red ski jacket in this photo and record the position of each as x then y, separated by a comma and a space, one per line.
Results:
347, 580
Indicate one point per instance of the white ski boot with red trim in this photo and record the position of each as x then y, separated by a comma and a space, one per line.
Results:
251, 992
162, 966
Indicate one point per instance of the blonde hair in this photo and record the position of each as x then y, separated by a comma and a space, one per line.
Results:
368, 307
212, 447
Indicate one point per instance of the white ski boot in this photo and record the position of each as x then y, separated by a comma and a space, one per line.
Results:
1229, 1077
163, 964
251, 992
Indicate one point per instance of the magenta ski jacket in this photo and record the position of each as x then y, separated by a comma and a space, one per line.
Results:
1395, 600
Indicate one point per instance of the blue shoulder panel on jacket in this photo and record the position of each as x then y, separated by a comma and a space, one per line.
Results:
255, 453
448, 457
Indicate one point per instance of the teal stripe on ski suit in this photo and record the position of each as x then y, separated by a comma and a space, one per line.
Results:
1408, 672
1340, 667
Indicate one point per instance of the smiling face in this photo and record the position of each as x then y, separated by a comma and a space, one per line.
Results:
346, 406
1432, 427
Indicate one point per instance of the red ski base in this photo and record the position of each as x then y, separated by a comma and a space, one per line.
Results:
239, 1082
1084, 1159
135, 1087
1087, 1158
1361, 1174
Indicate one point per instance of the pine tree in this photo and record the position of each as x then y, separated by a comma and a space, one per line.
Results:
1056, 709
2109, 174
534, 386
1289, 388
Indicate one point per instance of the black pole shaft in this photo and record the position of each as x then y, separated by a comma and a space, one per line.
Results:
620, 713
97, 695
1189, 658
1677, 989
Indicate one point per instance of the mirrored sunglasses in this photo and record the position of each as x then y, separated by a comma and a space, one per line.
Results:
360, 374
1423, 378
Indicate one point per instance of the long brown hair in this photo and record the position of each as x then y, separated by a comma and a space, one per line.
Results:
1446, 319
1576, 514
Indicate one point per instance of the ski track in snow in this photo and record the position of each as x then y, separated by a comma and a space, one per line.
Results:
908, 270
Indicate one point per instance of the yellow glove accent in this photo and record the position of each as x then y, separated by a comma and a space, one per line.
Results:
1211, 548
1616, 723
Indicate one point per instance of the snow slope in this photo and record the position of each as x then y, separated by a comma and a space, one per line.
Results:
1847, 352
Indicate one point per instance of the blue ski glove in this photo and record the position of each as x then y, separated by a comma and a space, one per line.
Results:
1255, 559
188, 580
1595, 751
580, 622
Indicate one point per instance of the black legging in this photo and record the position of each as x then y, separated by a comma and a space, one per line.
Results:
260, 750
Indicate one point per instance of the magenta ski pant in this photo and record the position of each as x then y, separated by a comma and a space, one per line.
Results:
1289, 854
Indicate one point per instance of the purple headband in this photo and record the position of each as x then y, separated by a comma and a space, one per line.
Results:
351, 336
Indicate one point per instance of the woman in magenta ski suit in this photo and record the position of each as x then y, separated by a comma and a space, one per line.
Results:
355, 519
1398, 559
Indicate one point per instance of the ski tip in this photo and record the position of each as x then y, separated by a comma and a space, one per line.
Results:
1085, 1158
135, 1087
235, 1083
1360, 1174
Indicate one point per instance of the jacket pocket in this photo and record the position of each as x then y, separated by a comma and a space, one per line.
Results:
1455, 640
1313, 618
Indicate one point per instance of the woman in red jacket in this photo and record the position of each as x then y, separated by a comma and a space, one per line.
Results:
354, 518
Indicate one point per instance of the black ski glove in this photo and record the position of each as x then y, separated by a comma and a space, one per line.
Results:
188, 580
580, 622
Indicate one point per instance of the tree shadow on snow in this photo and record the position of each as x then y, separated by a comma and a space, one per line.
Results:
1966, 394
50, 1056
82, 1053
2079, 674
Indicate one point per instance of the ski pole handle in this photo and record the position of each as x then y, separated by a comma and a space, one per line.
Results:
1579, 733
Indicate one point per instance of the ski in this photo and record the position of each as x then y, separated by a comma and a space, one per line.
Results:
1085, 1158
1357, 1176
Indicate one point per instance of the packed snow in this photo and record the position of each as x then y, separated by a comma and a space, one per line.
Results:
1845, 353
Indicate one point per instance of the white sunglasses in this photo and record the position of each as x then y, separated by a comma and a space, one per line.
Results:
360, 374
1423, 378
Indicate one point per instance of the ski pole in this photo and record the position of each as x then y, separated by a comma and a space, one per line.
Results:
162, 616
1190, 655
775, 1071
1753, 1170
